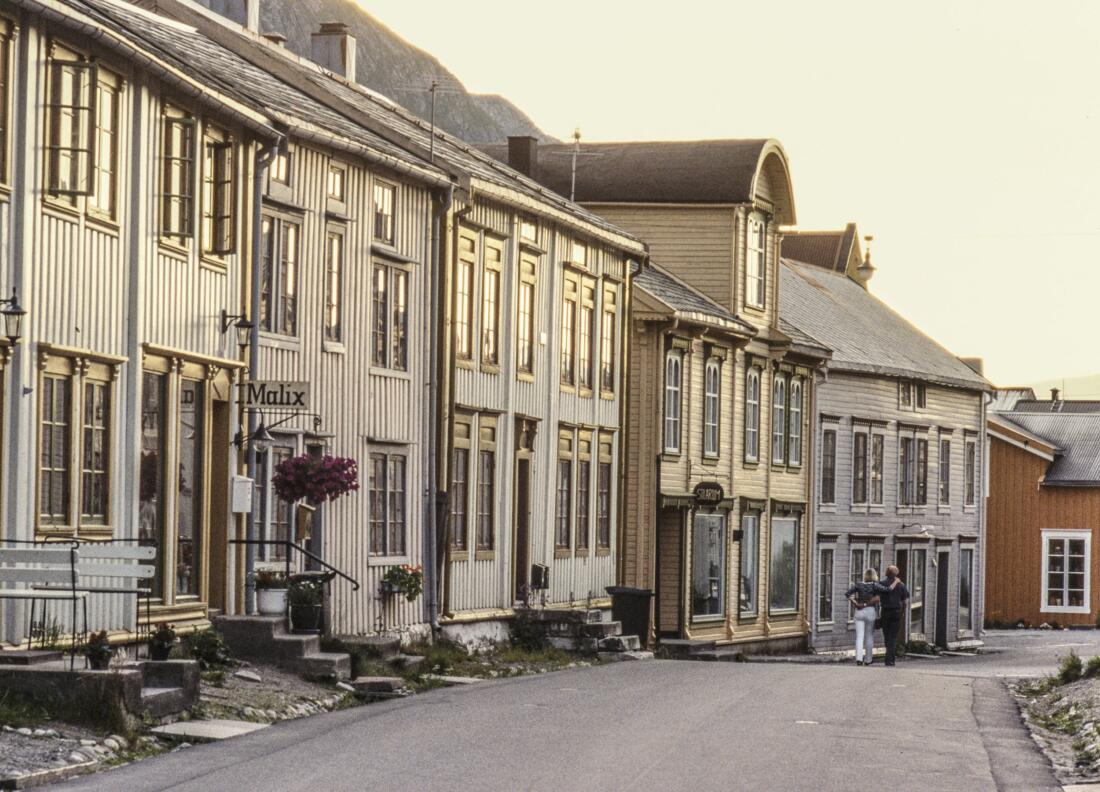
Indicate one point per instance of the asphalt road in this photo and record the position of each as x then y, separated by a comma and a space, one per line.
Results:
659, 725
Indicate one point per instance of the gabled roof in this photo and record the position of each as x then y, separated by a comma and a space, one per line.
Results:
1076, 435
681, 171
831, 250
865, 334
1005, 399
686, 302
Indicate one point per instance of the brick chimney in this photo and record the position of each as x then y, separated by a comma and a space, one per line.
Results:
523, 154
333, 48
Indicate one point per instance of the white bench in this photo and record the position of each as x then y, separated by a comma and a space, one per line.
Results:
41, 574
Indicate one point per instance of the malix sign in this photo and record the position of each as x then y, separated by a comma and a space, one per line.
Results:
275, 394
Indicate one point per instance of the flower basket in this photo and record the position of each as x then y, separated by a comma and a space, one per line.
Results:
404, 579
271, 587
306, 595
99, 651
318, 479
162, 641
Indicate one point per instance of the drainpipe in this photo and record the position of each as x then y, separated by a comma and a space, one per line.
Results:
433, 510
264, 154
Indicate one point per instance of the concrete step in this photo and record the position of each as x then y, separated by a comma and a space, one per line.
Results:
407, 664
159, 702
601, 629
327, 665
620, 643
294, 646
726, 654
684, 648
243, 630
382, 647
369, 684
614, 657
29, 657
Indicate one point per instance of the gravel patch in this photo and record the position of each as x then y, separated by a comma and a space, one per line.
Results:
278, 695
1065, 722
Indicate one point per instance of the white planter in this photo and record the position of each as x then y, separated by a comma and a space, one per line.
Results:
271, 602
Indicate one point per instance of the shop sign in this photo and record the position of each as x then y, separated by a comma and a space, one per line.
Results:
709, 493
275, 394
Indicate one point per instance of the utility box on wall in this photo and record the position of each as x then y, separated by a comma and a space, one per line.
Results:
242, 495
540, 577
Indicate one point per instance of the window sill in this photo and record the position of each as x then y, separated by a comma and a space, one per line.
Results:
562, 552
277, 341
170, 246
784, 614
455, 555
582, 552
944, 509
60, 209
378, 371
490, 368
827, 508
823, 624
756, 309
711, 461
1065, 609
525, 376
334, 347
485, 555
671, 455
876, 510
389, 252
603, 551
584, 393
213, 263
750, 463
608, 395
103, 222
387, 560
709, 619
970, 509
464, 362
858, 508
565, 387
747, 618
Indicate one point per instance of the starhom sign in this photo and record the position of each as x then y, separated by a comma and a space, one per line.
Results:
275, 394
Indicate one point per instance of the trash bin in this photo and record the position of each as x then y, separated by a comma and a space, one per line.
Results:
630, 607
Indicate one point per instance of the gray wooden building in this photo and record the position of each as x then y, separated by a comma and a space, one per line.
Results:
900, 450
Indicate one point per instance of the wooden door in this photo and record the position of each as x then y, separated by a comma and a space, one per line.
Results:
521, 569
219, 506
943, 584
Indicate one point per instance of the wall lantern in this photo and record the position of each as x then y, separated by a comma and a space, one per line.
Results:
13, 315
261, 439
239, 321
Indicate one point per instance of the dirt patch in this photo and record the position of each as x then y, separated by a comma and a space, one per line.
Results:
278, 695
1064, 719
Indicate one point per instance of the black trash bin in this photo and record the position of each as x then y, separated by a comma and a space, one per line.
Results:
630, 607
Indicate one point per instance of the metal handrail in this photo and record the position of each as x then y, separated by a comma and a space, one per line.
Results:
292, 546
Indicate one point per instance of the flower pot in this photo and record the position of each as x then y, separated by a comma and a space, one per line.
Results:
99, 662
271, 602
387, 589
306, 618
159, 651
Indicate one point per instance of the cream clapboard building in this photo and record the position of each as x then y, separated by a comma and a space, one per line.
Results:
710, 212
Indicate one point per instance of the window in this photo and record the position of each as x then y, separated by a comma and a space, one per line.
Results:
336, 188
279, 275
387, 504
905, 394
460, 482
464, 295
486, 488
384, 200
280, 167
878, 460
102, 200
913, 471
71, 125
565, 489
945, 472
490, 303
712, 397
750, 562
966, 589
794, 439
856, 567
921, 394
568, 334
5, 95
915, 584
177, 179
586, 335
525, 314
971, 472
608, 338
603, 492
825, 586
674, 363
922, 472
859, 468
151, 483
779, 419
74, 424
217, 193
756, 264
189, 487
783, 571
708, 566
752, 415
390, 317
828, 466
279, 530
905, 471
1066, 571
528, 229
334, 286
584, 489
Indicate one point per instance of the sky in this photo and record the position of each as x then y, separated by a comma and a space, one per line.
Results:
964, 136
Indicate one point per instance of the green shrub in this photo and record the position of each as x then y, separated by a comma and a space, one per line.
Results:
528, 634
1069, 669
208, 647
1092, 667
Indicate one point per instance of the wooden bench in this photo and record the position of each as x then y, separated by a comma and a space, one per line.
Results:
42, 574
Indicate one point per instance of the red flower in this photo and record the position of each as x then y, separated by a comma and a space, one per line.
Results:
317, 478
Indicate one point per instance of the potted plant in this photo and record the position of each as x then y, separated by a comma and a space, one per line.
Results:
270, 587
162, 641
318, 479
405, 579
99, 651
306, 596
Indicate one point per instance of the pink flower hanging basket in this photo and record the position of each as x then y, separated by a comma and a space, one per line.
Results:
319, 479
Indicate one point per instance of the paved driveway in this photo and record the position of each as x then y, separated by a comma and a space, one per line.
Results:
657, 725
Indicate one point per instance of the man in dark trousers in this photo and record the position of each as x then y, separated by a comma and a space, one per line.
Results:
893, 610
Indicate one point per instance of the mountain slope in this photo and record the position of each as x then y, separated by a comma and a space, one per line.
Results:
392, 66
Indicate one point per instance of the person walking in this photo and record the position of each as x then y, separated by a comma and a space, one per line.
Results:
865, 596
893, 600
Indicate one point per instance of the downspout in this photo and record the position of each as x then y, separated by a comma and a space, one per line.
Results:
433, 509
264, 154
626, 324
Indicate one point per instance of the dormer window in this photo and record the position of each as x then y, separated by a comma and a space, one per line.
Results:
756, 261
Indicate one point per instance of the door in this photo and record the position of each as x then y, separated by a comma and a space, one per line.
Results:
219, 506
522, 536
943, 586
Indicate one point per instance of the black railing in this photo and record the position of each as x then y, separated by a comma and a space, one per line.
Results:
306, 553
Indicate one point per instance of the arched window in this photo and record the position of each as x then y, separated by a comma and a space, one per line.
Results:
779, 419
752, 415
711, 402
673, 375
794, 437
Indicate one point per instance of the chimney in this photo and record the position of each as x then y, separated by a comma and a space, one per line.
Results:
523, 154
866, 270
1055, 394
333, 48
976, 364
278, 39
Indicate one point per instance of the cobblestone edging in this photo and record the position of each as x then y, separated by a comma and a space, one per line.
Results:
33, 757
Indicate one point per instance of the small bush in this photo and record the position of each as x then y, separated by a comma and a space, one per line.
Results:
528, 635
208, 647
1069, 669
1092, 668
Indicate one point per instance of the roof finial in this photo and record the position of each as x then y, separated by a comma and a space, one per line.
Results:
866, 269
576, 151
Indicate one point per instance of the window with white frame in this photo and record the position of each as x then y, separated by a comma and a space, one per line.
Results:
1067, 562
756, 261
279, 275
5, 93
458, 497
490, 302
970, 471
912, 471
712, 400
332, 322
708, 566
388, 512
464, 294
905, 395
586, 335
337, 186
177, 186
102, 200
779, 419
783, 569
945, 471
750, 563
71, 121
752, 415
525, 314
859, 466
794, 425
385, 198
828, 466
674, 365
608, 337
570, 294
218, 193
390, 319
603, 491
825, 586
563, 536
486, 483
878, 465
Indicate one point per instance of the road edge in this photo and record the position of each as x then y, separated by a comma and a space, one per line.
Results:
1015, 760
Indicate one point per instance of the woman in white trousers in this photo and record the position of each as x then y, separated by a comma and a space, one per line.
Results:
865, 596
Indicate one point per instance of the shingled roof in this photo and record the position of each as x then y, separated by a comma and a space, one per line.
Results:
831, 250
1076, 435
680, 171
686, 301
865, 334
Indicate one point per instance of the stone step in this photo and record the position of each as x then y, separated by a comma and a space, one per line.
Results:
243, 630
327, 665
408, 664
376, 684
159, 702
612, 657
620, 643
27, 657
683, 648
295, 646
382, 647
196, 731
601, 629
726, 654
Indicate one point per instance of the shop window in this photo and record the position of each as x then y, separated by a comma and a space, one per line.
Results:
966, 589
279, 248
387, 491
151, 518
783, 569
191, 429
708, 566
750, 563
